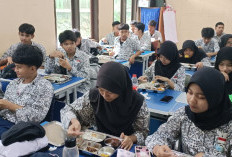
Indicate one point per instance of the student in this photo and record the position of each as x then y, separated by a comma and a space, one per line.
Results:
153, 32
26, 34
144, 39
125, 46
69, 60
112, 107
224, 65
132, 27
190, 53
226, 41
167, 68
27, 98
204, 126
109, 39
219, 28
85, 44
207, 43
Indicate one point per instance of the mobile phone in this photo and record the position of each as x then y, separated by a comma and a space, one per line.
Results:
142, 151
166, 99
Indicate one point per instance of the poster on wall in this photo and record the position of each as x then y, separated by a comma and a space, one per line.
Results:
144, 3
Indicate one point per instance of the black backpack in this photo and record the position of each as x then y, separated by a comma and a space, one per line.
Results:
8, 72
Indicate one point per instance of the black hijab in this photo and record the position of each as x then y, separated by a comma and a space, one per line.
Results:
198, 55
169, 50
224, 40
225, 54
212, 83
117, 116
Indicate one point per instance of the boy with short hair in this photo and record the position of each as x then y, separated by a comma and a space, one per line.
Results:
207, 43
69, 60
144, 39
152, 32
27, 98
125, 46
85, 44
26, 34
109, 39
219, 28
132, 27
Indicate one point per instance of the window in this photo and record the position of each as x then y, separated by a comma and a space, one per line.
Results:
63, 15
85, 18
117, 6
128, 11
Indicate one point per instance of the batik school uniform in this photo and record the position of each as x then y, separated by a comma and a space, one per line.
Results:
110, 38
80, 67
178, 78
198, 56
208, 132
13, 48
157, 35
212, 46
225, 54
124, 50
86, 45
144, 41
34, 97
128, 113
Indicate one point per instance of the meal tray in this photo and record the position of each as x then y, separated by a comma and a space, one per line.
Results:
98, 144
58, 78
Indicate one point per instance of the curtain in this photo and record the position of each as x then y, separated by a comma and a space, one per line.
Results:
148, 14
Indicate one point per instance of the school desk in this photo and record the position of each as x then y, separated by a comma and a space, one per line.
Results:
60, 90
155, 106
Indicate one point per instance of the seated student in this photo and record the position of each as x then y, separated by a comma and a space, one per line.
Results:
152, 32
112, 107
204, 127
144, 39
224, 64
69, 60
190, 53
207, 43
132, 27
226, 41
167, 68
27, 98
26, 34
219, 28
85, 44
125, 46
109, 39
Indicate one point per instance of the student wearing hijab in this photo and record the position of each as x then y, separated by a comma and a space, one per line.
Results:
167, 68
112, 107
224, 65
190, 53
204, 126
226, 41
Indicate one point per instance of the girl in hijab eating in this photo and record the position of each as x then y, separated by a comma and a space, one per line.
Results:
167, 68
204, 126
224, 65
112, 107
190, 53
226, 41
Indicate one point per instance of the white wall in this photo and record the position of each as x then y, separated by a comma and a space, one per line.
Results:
193, 15
39, 13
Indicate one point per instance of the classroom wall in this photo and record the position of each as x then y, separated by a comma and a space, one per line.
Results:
193, 15
106, 13
40, 13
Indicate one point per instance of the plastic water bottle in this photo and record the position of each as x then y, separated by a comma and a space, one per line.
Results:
70, 148
134, 80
